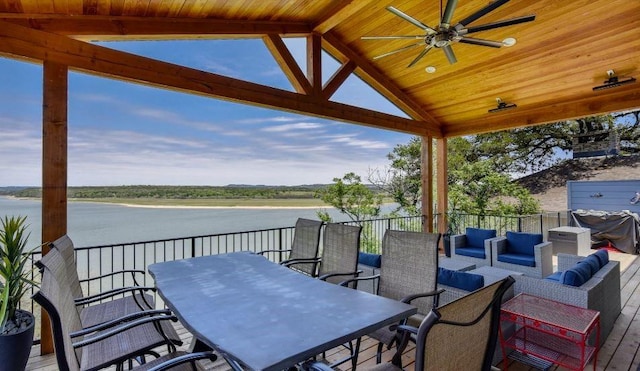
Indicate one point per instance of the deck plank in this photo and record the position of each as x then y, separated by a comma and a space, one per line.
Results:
620, 351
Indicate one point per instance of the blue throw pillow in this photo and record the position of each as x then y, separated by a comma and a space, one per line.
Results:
460, 280
522, 242
372, 260
593, 262
603, 257
476, 236
576, 275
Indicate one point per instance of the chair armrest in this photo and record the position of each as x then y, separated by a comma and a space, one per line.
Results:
409, 298
290, 262
129, 325
367, 278
117, 321
458, 240
133, 273
498, 245
543, 254
187, 357
110, 293
272, 250
336, 274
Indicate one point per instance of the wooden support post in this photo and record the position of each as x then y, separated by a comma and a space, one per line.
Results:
54, 168
427, 183
442, 186
314, 63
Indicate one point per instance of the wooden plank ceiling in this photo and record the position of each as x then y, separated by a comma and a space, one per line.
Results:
549, 73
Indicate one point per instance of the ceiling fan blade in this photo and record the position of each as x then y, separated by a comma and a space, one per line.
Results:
448, 12
506, 22
480, 13
448, 51
414, 37
398, 50
411, 20
481, 42
422, 54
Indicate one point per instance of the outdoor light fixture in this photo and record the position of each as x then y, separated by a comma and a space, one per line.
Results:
502, 106
613, 81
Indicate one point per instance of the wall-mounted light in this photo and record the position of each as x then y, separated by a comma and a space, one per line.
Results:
613, 81
502, 106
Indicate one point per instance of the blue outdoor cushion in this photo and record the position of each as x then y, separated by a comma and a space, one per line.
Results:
473, 252
461, 280
555, 277
576, 275
477, 236
603, 257
372, 260
593, 262
519, 259
522, 242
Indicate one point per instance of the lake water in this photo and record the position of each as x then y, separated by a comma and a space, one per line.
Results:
91, 224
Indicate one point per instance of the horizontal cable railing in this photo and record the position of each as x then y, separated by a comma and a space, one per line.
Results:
92, 261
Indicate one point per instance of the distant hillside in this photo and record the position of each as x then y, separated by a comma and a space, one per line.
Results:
550, 186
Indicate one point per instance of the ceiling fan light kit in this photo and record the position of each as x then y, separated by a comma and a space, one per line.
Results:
502, 106
442, 36
613, 81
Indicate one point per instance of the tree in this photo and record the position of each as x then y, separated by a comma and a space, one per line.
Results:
350, 197
402, 180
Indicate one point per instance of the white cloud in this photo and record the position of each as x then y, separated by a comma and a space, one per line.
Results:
289, 127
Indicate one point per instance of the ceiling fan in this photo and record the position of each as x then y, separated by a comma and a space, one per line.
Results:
444, 35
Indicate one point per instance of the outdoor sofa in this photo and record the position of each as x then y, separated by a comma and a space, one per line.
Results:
599, 291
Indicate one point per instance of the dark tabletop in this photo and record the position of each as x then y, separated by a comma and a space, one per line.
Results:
264, 315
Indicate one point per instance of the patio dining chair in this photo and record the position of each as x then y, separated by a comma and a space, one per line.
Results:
108, 344
340, 248
461, 335
100, 313
103, 306
303, 254
338, 263
409, 273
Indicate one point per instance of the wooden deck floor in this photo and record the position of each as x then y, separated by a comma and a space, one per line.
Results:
620, 351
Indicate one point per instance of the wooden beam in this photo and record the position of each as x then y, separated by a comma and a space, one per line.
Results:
314, 63
426, 166
54, 169
381, 83
34, 44
288, 64
622, 98
338, 79
109, 28
442, 187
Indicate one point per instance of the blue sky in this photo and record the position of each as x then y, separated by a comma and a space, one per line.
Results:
122, 133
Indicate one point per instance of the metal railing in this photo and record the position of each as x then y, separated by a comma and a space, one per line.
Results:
92, 261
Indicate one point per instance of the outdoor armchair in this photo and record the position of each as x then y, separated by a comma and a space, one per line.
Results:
108, 344
106, 305
461, 335
473, 246
303, 254
523, 252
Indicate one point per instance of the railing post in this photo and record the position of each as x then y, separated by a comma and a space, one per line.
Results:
193, 247
519, 223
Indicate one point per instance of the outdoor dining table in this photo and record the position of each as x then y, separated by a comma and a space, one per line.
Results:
264, 316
